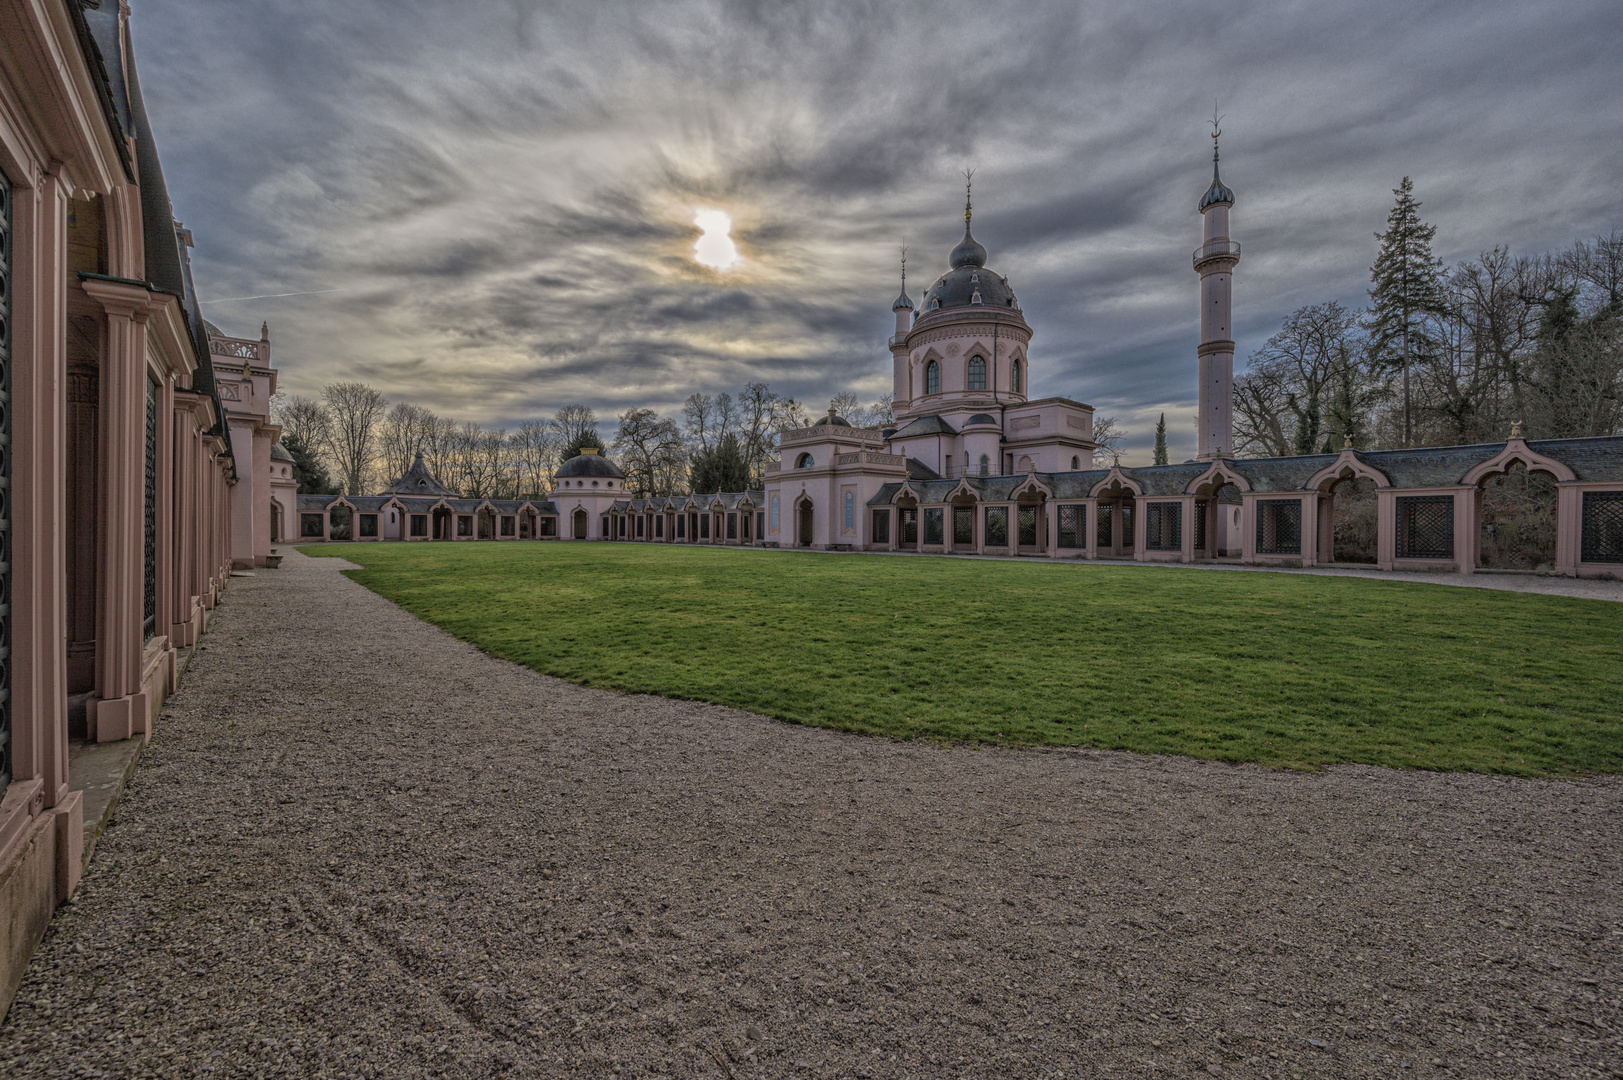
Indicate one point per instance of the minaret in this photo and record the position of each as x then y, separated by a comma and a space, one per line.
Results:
903, 307
1214, 262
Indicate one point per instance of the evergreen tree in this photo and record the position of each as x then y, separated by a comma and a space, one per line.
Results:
1408, 289
580, 441
1161, 440
724, 468
307, 470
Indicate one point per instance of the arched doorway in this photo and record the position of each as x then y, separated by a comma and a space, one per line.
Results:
1354, 521
1113, 522
580, 524
804, 523
1031, 524
442, 523
1516, 510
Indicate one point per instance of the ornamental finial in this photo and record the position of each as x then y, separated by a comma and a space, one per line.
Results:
1346, 440
1515, 429
969, 181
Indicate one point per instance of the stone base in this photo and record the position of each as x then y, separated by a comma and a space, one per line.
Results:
39, 872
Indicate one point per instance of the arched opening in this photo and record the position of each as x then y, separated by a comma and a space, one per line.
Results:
1516, 510
1076, 463
442, 523
485, 522
907, 524
339, 517
581, 524
1014, 377
803, 523
1031, 524
804, 461
1353, 520
964, 506
977, 373
1026, 465
932, 378
1113, 522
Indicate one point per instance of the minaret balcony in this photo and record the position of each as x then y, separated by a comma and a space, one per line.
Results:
1212, 250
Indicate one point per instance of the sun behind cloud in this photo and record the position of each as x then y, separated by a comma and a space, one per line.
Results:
715, 248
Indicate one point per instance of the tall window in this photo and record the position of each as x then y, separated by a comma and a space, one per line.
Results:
932, 378
149, 610
986, 465
977, 373
1014, 378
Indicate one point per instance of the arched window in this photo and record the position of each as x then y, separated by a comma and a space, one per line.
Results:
977, 373
986, 465
1076, 463
1014, 378
803, 462
932, 378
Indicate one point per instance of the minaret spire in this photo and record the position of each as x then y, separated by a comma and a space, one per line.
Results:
1215, 260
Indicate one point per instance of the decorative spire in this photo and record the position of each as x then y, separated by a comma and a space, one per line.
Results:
1217, 193
903, 302
968, 252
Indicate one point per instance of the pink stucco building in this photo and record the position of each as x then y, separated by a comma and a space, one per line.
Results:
140, 461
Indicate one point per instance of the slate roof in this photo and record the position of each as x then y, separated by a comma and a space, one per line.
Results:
918, 470
925, 425
316, 502
590, 465
279, 452
1594, 459
417, 480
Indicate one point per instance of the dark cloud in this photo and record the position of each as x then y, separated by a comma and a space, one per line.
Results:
504, 191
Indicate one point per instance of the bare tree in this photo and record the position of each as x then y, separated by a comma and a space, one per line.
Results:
1108, 436
651, 451
572, 421
305, 419
859, 415
403, 432
355, 410
535, 451
699, 422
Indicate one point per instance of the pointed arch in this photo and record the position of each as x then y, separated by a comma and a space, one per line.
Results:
1517, 450
1116, 480
1219, 474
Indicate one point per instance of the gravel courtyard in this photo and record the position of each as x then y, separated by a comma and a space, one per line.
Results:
357, 847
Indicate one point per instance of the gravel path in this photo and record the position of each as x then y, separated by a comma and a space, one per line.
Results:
357, 847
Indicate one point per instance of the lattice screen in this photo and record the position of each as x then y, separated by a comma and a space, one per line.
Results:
1279, 526
1603, 527
1163, 526
1425, 527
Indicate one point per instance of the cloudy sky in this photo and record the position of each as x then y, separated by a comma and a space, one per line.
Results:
490, 203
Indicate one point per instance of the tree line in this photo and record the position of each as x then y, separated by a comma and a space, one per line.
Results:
352, 440
1444, 355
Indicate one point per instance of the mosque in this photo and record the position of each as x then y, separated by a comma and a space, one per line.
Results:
974, 465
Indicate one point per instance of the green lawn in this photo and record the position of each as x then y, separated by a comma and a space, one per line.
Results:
1282, 669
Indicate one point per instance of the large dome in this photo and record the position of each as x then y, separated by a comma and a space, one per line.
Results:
967, 286
590, 465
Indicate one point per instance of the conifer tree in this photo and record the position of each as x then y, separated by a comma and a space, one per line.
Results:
1408, 288
1161, 440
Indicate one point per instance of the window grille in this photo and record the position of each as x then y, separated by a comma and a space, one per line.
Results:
1279, 526
932, 378
1073, 526
659, 528
1163, 526
933, 527
369, 524
760, 522
732, 526
704, 526
1425, 527
310, 525
507, 525
5, 482
1603, 527
1028, 526
881, 526
419, 524
149, 599
977, 373
1102, 525
997, 526
963, 526
986, 465
549, 526
1127, 538
910, 526
1202, 508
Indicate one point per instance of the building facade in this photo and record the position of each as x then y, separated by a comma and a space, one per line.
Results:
120, 483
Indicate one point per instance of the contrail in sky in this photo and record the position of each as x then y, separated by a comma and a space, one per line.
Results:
268, 296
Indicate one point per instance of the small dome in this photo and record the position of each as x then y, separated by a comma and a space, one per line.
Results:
832, 418
279, 452
969, 252
903, 302
1218, 193
590, 465
981, 418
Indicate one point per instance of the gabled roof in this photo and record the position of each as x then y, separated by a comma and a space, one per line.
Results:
918, 470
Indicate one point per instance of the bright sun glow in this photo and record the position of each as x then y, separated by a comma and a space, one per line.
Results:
715, 248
